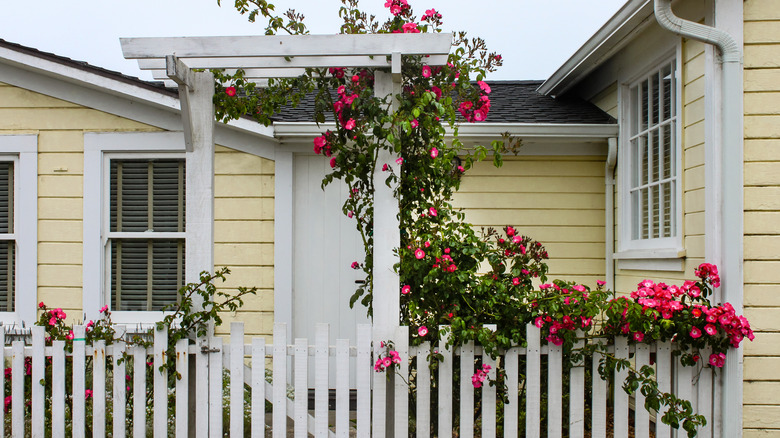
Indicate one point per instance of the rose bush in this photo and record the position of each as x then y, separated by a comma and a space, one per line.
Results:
451, 274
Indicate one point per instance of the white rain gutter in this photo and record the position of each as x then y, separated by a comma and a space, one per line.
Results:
609, 212
732, 192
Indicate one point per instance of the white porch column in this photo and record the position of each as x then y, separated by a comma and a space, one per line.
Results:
387, 301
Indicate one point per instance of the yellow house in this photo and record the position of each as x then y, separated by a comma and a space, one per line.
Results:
673, 171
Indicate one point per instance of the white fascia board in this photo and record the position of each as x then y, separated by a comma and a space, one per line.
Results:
613, 35
579, 132
102, 93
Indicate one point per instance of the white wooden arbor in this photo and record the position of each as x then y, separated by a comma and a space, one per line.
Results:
264, 57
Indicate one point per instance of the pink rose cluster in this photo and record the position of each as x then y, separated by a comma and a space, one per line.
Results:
385, 362
480, 376
722, 319
445, 262
708, 272
398, 7
477, 111
324, 144
431, 15
572, 320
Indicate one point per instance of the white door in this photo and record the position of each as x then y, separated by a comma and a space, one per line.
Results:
326, 243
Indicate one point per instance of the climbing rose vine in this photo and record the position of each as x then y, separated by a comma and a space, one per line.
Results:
451, 274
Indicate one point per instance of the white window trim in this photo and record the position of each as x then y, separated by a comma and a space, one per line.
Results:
651, 254
23, 151
99, 148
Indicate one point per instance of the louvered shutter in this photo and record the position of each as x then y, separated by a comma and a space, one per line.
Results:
146, 233
7, 243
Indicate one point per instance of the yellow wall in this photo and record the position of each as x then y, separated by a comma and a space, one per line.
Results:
244, 234
557, 200
762, 216
244, 186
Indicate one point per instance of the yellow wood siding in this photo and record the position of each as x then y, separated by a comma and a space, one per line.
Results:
243, 234
762, 215
556, 200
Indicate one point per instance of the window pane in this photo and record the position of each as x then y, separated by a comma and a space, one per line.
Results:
146, 274
129, 195
645, 164
667, 151
643, 106
666, 193
147, 195
6, 196
654, 211
634, 125
666, 75
7, 275
655, 153
643, 214
654, 101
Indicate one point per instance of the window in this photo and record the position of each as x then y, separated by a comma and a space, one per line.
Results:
651, 176
18, 228
146, 232
7, 237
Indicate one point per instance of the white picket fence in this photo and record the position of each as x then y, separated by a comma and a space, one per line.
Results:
48, 407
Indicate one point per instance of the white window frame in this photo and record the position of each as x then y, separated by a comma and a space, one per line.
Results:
663, 253
99, 149
22, 151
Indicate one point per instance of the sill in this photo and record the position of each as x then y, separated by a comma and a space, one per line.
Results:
666, 259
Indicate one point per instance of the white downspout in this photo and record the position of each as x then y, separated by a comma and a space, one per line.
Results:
609, 213
732, 192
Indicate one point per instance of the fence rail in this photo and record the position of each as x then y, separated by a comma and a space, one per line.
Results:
239, 389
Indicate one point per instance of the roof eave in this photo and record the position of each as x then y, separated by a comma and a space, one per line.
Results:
477, 131
612, 36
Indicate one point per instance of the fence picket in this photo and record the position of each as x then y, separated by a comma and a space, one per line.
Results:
445, 387
401, 392
511, 410
202, 389
664, 378
705, 396
215, 386
489, 400
98, 388
301, 387
139, 392
379, 394
363, 363
119, 393
641, 416
620, 408
182, 388
423, 391
258, 388
599, 397
577, 393
57, 388
466, 390
533, 372
342, 388
38, 384
78, 381
160, 422
321, 380
17, 389
280, 381
555, 391
236, 379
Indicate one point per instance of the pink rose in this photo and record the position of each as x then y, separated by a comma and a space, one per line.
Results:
434, 152
419, 253
695, 333
230, 91
433, 211
406, 289
350, 125
399, 161
355, 265
426, 71
333, 162
422, 331
484, 86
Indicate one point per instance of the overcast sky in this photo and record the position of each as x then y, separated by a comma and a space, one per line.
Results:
534, 36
